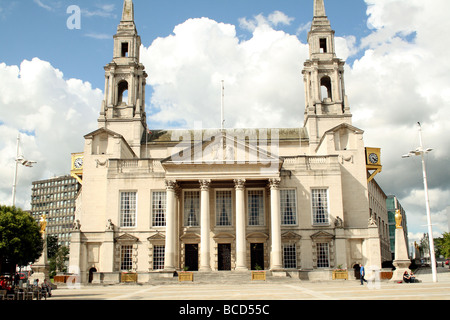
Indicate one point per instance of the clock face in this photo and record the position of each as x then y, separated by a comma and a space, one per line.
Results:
373, 158
78, 163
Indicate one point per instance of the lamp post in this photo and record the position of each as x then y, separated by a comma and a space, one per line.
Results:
19, 160
421, 152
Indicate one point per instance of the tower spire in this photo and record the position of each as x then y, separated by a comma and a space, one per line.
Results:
326, 101
320, 20
128, 11
123, 108
319, 8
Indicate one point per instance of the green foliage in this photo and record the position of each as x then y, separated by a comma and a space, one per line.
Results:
20, 238
57, 262
443, 245
52, 245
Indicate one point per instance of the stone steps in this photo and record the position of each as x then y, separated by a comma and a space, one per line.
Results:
224, 277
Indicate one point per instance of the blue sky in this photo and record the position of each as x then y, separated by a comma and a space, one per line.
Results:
52, 79
37, 28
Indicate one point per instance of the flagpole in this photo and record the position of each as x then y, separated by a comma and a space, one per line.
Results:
222, 106
15, 172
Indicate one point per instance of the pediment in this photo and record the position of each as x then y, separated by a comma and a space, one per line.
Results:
222, 148
257, 235
189, 237
223, 235
156, 237
126, 238
345, 126
103, 131
322, 235
290, 236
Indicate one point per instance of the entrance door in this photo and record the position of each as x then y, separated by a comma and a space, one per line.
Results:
257, 255
91, 274
224, 250
191, 256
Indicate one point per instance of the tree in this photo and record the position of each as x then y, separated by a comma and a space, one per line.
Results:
52, 245
20, 238
58, 261
444, 245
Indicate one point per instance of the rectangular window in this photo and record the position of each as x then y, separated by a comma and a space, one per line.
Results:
288, 207
319, 199
158, 257
255, 207
191, 208
323, 260
126, 258
128, 209
323, 45
125, 49
289, 256
159, 208
224, 208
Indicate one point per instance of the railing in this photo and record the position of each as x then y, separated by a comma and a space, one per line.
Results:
135, 165
311, 162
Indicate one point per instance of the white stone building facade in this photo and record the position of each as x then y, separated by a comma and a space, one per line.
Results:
292, 200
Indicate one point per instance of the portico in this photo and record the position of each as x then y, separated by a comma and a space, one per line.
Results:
223, 208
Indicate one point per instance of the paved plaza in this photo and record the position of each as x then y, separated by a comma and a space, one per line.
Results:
274, 289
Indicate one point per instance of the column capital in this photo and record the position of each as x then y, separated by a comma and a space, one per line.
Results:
274, 183
204, 184
170, 184
239, 184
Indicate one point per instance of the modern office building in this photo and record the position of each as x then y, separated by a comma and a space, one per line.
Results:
55, 198
393, 204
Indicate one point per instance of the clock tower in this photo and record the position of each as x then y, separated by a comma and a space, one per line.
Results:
123, 107
326, 104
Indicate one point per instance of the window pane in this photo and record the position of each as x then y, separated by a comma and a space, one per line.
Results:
320, 206
126, 258
158, 257
288, 204
322, 255
255, 207
128, 209
159, 208
289, 256
223, 208
191, 208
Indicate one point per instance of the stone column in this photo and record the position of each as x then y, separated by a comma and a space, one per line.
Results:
205, 255
169, 255
401, 261
241, 242
276, 260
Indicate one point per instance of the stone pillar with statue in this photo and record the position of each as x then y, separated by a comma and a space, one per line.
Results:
401, 260
41, 268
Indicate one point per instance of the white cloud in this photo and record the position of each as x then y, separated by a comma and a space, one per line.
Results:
401, 79
260, 21
43, 5
52, 113
261, 75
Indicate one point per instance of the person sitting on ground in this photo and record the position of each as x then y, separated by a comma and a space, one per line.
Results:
406, 277
413, 277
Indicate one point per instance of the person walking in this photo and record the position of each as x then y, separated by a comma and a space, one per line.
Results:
362, 273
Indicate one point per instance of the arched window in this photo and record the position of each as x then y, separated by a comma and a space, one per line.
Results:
325, 88
122, 92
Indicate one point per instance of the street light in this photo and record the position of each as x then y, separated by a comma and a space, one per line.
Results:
420, 152
19, 160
